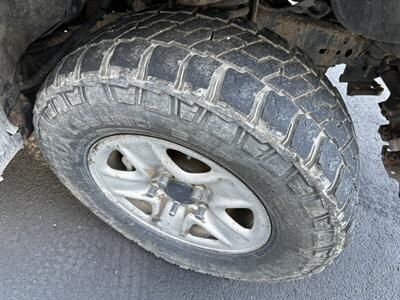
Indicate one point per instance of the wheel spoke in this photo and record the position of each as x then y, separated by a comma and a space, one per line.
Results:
221, 203
223, 230
155, 203
127, 184
189, 178
227, 194
142, 158
172, 222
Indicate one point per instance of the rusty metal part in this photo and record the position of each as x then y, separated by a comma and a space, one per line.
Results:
328, 44
391, 161
21, 116
315, 9
390, 133
370, 88
361, 79
238, 12
234, 8
254, 10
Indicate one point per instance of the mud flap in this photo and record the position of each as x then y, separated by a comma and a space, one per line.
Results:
10, 142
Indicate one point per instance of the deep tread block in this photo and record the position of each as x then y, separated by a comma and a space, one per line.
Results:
195, 37
128, 54
248, 37
169, 35
201, 24
315, 81
320, 104
265, 49
295, 87
148, 31
200, 71
293, 69
239, 90
164, 62
70, 62
179, 17
92, 58
220, 46
279, 111
339, 133
330, 160
261, 69
304, 137
226, 32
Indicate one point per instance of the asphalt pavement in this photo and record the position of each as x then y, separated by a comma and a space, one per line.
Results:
52, 247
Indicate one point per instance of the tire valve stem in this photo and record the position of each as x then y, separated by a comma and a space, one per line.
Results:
174, 209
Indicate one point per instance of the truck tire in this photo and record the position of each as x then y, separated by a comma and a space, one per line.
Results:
224, 98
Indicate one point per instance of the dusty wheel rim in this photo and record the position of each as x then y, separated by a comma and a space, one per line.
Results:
179, 193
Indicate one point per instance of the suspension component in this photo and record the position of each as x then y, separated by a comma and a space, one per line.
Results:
390, 132
234, 8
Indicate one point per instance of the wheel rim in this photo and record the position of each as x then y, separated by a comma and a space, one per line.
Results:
179, 193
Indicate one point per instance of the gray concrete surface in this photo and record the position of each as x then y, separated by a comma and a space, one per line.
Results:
52, 247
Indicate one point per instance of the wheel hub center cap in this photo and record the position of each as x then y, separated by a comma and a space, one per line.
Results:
180, 191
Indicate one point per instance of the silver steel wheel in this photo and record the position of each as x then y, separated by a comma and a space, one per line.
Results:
179, 193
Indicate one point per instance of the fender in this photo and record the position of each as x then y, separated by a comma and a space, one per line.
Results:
21, 23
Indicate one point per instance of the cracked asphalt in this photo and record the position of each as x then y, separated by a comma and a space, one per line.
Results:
52, 247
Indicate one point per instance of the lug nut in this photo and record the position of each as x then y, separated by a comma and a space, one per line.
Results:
152, 190
174, 208
201, 210
164, 180
197, 194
